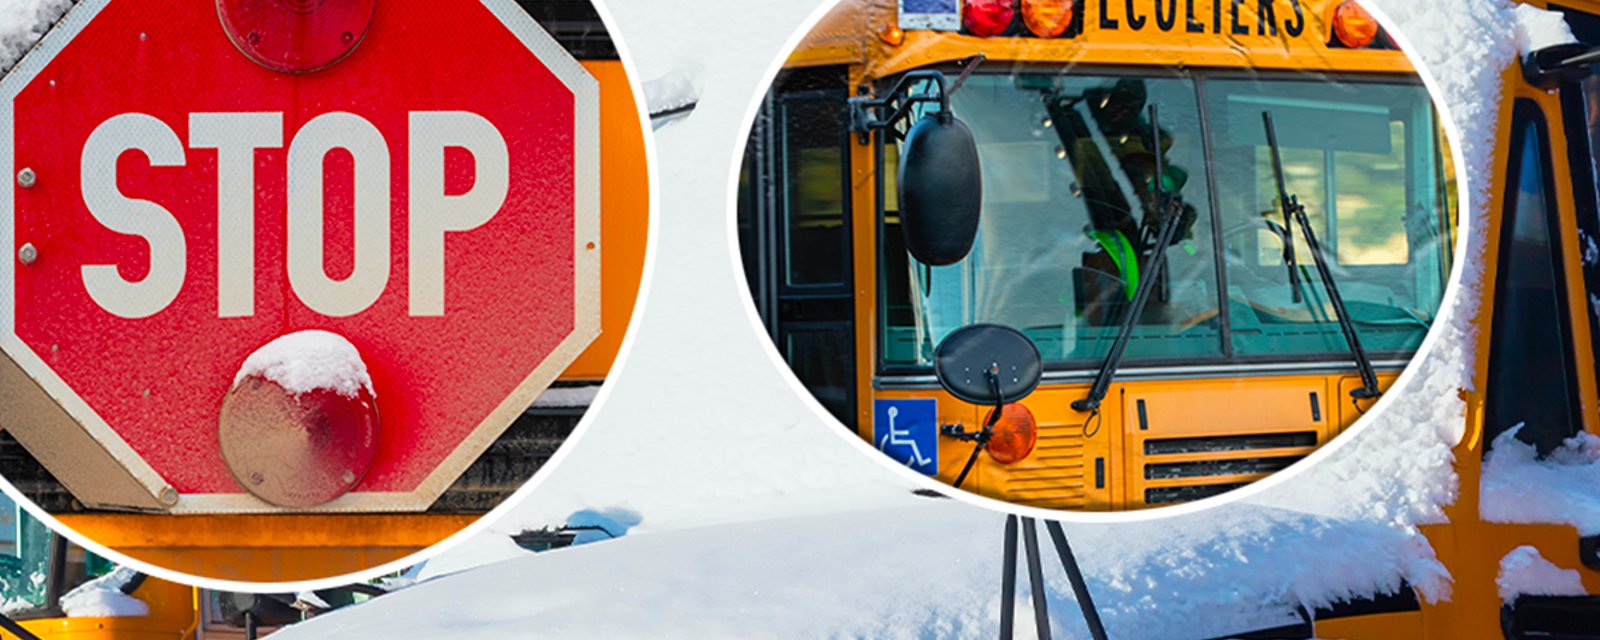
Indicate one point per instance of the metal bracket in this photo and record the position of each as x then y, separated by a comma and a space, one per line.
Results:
1551, 67
868, 113
959, 432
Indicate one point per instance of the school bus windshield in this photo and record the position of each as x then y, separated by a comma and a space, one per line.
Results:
1068, 166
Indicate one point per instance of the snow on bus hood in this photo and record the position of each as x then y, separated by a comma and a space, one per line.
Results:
929, 570
1519, 487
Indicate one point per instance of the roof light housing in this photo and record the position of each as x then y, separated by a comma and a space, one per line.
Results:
296, 36
988, 18
1353, 27
1047, 18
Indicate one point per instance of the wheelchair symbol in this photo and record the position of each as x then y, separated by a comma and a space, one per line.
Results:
902, 438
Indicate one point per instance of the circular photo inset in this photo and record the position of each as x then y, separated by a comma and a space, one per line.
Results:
1097, 256
298, 291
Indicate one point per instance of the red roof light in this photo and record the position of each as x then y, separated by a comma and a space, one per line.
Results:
988, 18
295, 36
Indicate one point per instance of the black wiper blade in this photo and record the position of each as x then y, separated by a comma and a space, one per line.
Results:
1168, 213
1292, 209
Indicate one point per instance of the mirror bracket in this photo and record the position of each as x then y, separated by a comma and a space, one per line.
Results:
959, 432
869, 114
1550, 67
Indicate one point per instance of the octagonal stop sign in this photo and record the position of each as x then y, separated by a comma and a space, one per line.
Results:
426, 187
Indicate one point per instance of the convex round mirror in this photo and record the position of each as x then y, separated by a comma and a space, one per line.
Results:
966, 357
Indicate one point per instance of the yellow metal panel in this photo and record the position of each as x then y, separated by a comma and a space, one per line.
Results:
267, 547
1346, 407
1100, 464
1220, 408
1384, 626
1470, 548
1071, 467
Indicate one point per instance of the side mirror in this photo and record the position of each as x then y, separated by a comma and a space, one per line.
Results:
988, 364
940, 189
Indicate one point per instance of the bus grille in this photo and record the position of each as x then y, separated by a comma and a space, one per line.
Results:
1057, 474
1183, 473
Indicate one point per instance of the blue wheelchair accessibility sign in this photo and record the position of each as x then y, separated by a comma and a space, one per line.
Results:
908, 431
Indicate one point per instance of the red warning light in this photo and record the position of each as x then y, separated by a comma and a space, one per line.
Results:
295, 36
1015, 433
1353, 26
988, 18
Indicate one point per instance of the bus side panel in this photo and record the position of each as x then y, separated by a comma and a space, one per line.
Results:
1072, 466
1344, 407
1382, 626
1187, 439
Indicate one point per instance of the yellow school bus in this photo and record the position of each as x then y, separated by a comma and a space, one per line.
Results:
52, 589
1535, 360
1234, 365
294, 547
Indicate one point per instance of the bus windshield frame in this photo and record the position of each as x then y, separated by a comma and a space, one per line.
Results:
1427, 217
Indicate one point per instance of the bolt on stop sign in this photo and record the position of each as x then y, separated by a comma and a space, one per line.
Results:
192, 180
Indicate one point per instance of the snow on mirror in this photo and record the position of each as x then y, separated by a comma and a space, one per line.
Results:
1221, 261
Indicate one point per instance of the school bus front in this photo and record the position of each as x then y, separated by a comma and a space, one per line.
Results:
1236, 365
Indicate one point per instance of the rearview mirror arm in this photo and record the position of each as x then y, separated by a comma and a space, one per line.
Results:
1550, 67
869, 114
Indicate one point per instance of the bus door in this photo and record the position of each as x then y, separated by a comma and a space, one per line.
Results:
1535, 366
1580, 106
796, 241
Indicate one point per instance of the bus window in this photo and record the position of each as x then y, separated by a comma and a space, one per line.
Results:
1581, 109
1068, 178
814, 203
798, 266
25, 554
1530, 371
1362, 159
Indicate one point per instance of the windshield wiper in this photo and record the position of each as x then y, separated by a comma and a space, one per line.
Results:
1292, 209
1168, 212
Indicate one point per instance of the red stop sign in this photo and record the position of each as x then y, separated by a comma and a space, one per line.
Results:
432, 197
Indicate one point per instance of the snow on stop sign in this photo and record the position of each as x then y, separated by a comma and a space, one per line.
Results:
432, 197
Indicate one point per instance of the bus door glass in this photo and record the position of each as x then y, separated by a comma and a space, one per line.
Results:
1068, 183
805, 291
25, 555
1362, 158
1581, 112
1530, 379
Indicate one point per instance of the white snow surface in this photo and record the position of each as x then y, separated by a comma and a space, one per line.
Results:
1563, 488
1538, 28
305, 361
929, 569
675, 89
310, 599
102, 597
1525, 572
22, 23
567, 397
